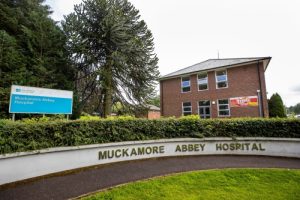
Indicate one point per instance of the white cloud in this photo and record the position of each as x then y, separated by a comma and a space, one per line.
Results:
61, 7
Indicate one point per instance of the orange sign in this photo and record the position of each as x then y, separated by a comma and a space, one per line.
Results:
244, 101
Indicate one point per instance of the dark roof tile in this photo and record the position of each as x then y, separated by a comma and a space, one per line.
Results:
213, 64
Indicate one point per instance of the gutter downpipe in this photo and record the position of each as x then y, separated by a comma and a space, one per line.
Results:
161, 98
259, 94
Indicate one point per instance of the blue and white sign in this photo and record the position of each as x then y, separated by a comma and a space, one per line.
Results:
25, 99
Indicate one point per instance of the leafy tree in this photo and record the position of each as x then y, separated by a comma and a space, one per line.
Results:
155, 100
112, 50
120, 109
276, 107
297, 108
32, 49
294, 109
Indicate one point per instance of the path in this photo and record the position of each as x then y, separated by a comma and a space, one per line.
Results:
100, 177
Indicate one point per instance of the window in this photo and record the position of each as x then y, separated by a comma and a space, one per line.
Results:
185, 84
186, 108
202, 81
221, 79
204, 109
223, 107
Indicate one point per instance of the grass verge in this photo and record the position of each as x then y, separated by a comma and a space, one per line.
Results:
230, 184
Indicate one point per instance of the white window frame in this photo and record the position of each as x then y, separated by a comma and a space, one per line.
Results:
229, 114
181, 84
186, 106
217, 87
209, 108
202, 84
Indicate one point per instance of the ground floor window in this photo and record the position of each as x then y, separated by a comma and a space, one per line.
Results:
223, 107
186, 108
204, 109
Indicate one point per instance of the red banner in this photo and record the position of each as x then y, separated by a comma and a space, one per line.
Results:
244, 101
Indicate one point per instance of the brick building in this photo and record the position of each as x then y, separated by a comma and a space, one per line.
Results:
153, 112
233, 87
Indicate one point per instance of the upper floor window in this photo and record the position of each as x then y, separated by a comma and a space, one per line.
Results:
202, 81
223, 107
221, 79
186, 108
185, 84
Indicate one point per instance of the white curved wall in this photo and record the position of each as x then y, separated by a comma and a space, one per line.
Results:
20, 166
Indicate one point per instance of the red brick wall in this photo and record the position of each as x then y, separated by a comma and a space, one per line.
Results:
242, 81
153, 114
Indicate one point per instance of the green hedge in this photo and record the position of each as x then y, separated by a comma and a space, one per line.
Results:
20, 136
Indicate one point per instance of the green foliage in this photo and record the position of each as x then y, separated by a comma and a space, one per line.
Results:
190, 117
121, 109
294, 109
89, 117
123, 117
12, 68
19, 136
113, 51
155, 100
233, 184
44, 119
276, 107
32, 49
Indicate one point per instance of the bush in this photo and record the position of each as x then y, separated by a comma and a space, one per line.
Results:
20, 136
276, 107
89, 117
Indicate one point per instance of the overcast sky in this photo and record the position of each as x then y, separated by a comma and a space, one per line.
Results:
187, 32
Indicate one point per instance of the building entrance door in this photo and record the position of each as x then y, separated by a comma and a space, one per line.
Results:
204, 109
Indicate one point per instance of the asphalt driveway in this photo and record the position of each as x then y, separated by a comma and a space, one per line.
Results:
79, 182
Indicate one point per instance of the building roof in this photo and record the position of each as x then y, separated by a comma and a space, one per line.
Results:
153, 107
211, 64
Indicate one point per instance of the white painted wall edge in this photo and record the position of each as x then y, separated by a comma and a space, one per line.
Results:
91, 146
24, 165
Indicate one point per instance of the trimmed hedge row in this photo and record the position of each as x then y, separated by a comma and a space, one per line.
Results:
20, 136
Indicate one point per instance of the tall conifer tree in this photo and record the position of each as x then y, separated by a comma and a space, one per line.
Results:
113, 51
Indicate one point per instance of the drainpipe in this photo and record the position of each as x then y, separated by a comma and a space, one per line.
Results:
259, 103
161, 98
259, 94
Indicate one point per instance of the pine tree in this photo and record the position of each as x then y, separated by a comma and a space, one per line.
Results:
113, 52
276, 107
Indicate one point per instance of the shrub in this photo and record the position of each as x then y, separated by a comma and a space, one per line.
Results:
20, 136
276, 107
89, 117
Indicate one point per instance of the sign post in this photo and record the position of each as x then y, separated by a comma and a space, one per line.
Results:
35, 100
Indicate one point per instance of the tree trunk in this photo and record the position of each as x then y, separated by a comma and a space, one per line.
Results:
108, 90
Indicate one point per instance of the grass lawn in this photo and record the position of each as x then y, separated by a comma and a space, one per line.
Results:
212, 184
